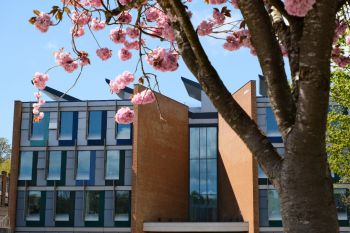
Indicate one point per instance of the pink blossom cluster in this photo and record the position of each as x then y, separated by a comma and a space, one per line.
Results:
66, 61
124, 18
124, 54
77, 31
132, 32
339, 59
121, 81
36, 107
124, 116
144, 97
39, 80
43, 22
84, 58
217, 1
125, 2
340, 29
234, 3
218, 17
97, 24
117, 35
299, 7
92, 3
133, 45
163, 27
163, 60
206, 26
104, 53
238, 39
81, 18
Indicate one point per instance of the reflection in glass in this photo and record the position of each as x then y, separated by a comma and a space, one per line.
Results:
83, 169
194, 143
112, 165
212, 142
92, 203
26, 165
66, 126
271, 124
124, 131
95, 125
274, 205
339, 196
122, 206
63, 206
33, 209
55, 158
40, 128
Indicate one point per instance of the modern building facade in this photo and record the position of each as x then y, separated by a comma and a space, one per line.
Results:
175, 169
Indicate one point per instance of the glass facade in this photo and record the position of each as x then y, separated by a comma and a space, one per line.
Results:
26, 165
92, 206
54, 172
271, 124
66, 126
95, 125
203, 174
339, 196
122, 206
83, 166
274, 206
112, 165
123, 131
40, 129
33, 207
63, 206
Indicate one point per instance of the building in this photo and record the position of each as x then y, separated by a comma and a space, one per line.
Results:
176, 169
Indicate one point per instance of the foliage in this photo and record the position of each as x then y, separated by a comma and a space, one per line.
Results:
6, 166
5, 149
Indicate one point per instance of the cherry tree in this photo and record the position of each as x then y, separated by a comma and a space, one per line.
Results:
309, 33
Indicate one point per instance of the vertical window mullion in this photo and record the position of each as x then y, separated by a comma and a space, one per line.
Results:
58, 121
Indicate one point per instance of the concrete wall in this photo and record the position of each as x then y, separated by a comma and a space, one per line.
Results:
160, 162
238, 161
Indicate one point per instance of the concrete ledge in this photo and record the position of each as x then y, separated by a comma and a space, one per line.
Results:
195, 227
73, 229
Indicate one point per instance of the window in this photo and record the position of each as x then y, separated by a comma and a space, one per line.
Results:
92, 203
40, 129
55, 158
203, 174
339, 196
271, 124
122, 206
123, 131
83, 167
33, 207
112, 165
274, 206
95, 125
26, 166
66, 126
63, 206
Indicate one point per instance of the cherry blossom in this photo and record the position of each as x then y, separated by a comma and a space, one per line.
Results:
66, 61
299, 7
163, 60
144, 97
132, 32
43, 22
104, 53
219, 18
205, 28
39, 80
77, 31
125, 17
117, 35
92, 3
81, 18
121, 81
124, 116
124, 54
97, 24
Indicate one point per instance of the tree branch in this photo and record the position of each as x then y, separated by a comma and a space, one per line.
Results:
271, 62
197, 61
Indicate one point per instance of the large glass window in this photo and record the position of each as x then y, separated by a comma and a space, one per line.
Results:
339, 196
112, 165
66, 126
63, 206
271, 124
33, 207
274, 205
123, 131
26, 165
92, 206
203, 174
40, 129
95, 125
54, 172
122, 206
83, 166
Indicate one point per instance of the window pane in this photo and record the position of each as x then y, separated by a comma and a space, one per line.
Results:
280, 151
63, 206
26, 166
194, 143
124, 131
339, 195
66, 126
33, 211
212, 176
122, 206
203, 142
92, 203
83, 170
271, 124
274, 205
95, 125
55, 158
194, 177
212, 142
262, 173
39, 128
112, 165
203, 176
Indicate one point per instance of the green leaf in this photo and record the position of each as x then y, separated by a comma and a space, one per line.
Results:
32, 20
37, 12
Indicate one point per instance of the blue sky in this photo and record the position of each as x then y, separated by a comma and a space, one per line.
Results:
24, 51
